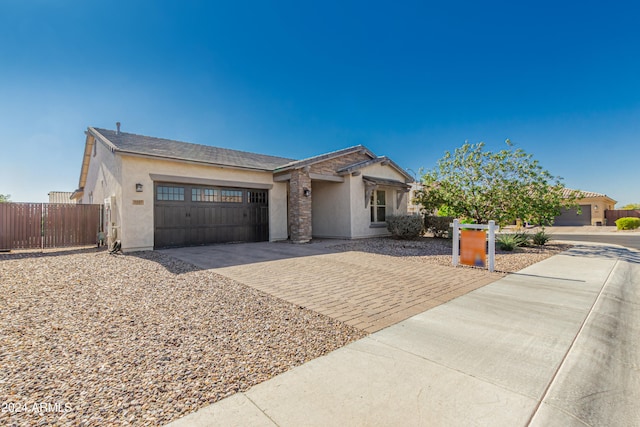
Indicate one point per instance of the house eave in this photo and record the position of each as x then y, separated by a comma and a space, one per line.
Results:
190, 161
298, 164
383, 160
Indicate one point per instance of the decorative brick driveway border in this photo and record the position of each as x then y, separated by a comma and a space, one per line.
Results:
365, 290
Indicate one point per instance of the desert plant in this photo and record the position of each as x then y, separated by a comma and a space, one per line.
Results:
508, 242
627, 223
404, 226
523, 238
438, 225
541, 238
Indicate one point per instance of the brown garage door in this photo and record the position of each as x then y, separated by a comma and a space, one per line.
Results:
572, 217
188, 215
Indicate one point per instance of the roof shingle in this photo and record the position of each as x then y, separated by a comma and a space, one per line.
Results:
167, 148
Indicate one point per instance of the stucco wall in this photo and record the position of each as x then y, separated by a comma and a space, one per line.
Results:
138, 227
331, 209
361, 214
104, 180
598, 206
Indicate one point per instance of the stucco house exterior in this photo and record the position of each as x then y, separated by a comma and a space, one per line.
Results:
592, 209
414, 208
163, 193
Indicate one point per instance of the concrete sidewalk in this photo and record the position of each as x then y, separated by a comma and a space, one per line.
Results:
555, 344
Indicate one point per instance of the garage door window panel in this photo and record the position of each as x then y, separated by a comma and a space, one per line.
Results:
231, 196
205, 195
259, 197
170, 193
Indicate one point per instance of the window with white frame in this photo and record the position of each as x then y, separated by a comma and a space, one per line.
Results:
378, 206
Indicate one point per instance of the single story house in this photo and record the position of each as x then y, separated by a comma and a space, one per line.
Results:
61, 197
164, 193
591, 212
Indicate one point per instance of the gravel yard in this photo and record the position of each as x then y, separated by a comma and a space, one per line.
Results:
438, 251
88, 338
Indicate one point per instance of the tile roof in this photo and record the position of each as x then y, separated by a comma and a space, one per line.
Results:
61, 197
568, 192
167, 148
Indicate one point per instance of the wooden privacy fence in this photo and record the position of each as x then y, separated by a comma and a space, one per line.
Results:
611, 215
48, 225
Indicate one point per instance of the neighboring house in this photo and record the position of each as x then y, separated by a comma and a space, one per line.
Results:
413, 208
61, 197
592, 209
162, 193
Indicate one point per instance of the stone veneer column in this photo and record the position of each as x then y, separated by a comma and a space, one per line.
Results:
299, 206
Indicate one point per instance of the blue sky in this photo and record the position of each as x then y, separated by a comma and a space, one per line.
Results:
407, 79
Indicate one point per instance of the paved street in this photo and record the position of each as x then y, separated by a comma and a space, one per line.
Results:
630, 240
606, 235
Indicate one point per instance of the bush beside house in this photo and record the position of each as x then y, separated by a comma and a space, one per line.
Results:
404, 226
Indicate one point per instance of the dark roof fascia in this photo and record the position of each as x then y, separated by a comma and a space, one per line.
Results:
408, 177
103, 139
386, 181
322, 157
354, 167
351, 168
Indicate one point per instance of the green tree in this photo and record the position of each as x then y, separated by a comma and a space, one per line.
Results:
4, 198
631, 207
481, 185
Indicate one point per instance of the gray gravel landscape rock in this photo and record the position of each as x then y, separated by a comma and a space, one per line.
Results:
88, 338
438, 251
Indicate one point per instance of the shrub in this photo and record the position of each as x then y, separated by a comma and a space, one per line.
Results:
541, 238
404, 226
438, 225
508, 242
523, 238
627, 223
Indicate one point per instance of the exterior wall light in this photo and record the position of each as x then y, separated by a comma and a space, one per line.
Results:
306, 192
138, 188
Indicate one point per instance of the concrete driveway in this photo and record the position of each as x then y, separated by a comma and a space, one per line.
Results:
365, 290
